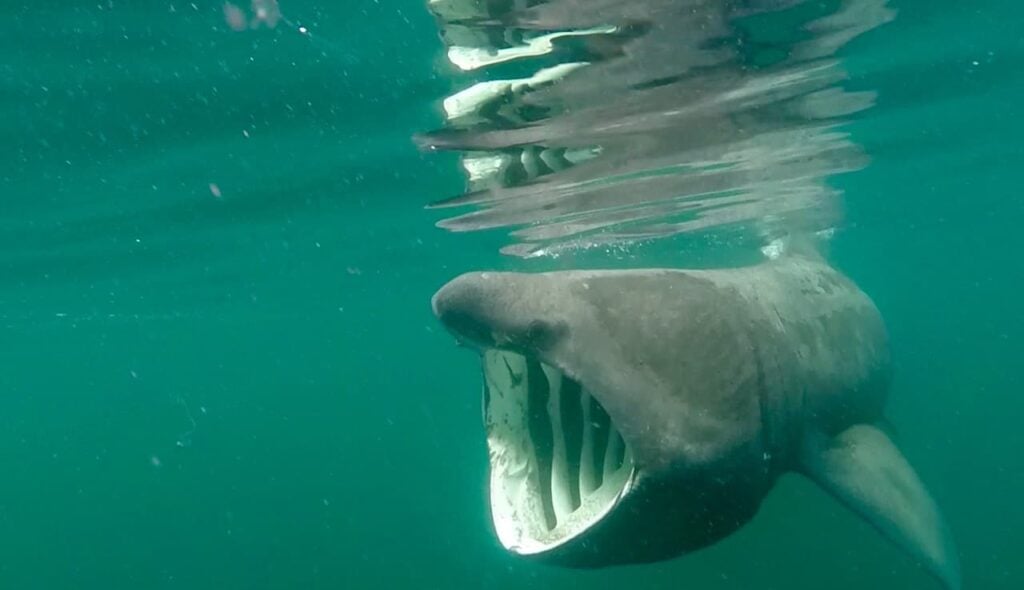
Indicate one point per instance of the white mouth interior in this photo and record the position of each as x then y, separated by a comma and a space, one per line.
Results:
558, 465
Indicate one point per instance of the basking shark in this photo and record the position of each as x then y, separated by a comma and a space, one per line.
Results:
638, 415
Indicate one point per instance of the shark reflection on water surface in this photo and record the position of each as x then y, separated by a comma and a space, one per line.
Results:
588, 123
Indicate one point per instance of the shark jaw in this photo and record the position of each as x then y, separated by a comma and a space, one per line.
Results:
558, 465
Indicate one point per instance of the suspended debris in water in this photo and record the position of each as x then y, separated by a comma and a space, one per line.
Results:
235, 17
261, 12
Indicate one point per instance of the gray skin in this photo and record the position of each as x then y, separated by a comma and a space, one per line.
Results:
720, 381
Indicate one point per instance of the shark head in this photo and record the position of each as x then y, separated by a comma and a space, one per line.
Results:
614, 410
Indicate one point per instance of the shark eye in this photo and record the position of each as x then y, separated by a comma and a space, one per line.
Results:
540, 334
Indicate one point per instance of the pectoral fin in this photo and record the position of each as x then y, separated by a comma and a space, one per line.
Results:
863, 469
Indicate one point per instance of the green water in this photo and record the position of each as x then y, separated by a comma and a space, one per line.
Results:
249, 390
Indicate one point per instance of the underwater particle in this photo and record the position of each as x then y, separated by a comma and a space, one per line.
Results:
235, 17
266, 12
215, 190
303, 30
155, 461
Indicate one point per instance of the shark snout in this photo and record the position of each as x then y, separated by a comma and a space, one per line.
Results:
459, 295
463, 305
496, 310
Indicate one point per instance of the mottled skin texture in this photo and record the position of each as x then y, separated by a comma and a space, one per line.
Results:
717, 379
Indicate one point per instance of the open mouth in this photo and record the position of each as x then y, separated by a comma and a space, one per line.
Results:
558, 464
